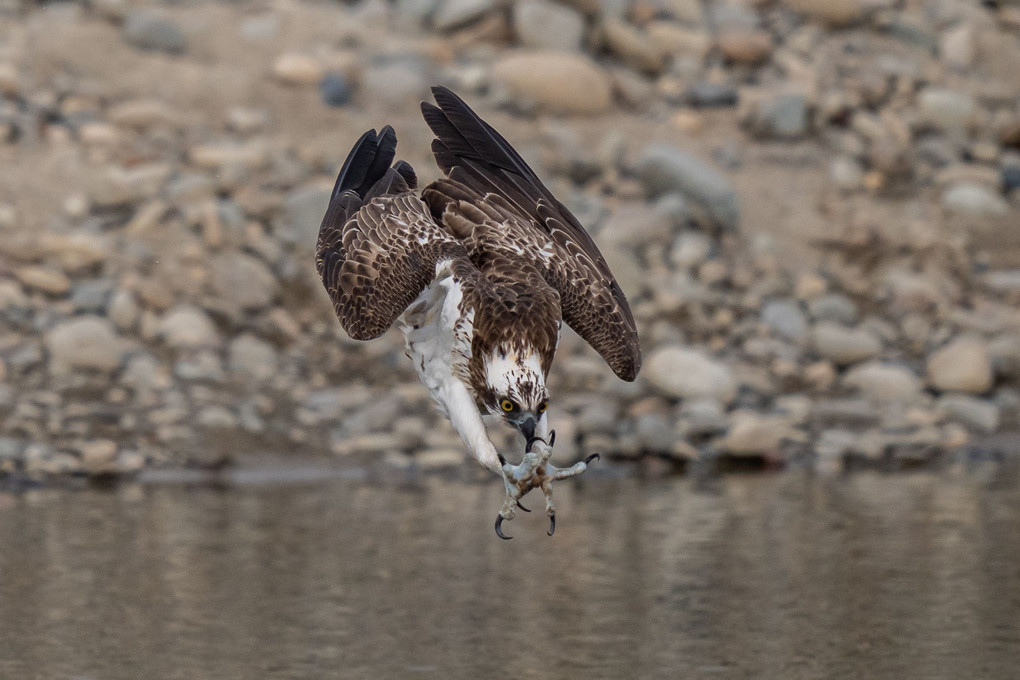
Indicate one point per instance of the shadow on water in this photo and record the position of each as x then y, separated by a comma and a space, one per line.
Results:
763, 576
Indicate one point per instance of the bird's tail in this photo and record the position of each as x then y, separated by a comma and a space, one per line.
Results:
367, 173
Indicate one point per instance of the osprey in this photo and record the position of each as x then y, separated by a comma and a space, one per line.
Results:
479, 271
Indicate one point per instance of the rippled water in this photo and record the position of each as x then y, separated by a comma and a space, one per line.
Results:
744, 576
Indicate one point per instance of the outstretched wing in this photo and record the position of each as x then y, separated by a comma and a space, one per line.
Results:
485, 170
378, 244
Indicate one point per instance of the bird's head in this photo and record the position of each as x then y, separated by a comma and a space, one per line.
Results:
516, 391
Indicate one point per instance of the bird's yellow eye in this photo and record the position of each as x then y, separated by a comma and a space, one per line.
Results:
543, 406
507, 405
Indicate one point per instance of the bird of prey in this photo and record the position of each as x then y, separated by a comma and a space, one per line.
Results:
479, 270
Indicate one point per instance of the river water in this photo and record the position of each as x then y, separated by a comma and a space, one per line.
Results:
787, 575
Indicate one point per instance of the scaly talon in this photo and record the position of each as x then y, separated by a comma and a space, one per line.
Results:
522, 507
592, 457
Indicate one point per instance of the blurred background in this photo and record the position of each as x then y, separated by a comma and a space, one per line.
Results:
812, 205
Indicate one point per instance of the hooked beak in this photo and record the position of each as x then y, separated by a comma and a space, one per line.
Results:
527, 428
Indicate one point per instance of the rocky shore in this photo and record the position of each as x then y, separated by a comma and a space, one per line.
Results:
812, 205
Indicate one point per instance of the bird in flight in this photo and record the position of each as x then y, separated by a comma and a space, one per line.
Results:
479, 270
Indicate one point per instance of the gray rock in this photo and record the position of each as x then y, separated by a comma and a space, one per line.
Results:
947, 110
456, 13
252, 357
87, 342
975, 413
557, 82
187, 326
846, 173
91, 296
784, 117
833, 307
1010, 178
302, 214
124, 310
334, 89
970, 198
664, 168
396, 81
843, 345
548, 25
833, 13
709, 95
690, 249
148, 30
683, 373
884, 382
243, 281
655, 433
702, 417
964, 365
786, 318
203, 365
753, 434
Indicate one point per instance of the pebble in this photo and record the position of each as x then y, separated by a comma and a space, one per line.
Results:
706, 95
843, 345
556, 82
753, 434
633, 46
786, 318
44, 279
453, 14
85, 342
977, 414
148, 30
702, 417
334, 89
302, 213
963, 365
243, 282
298, 68
968, 198
884, 382
548, 26
684, 373
784, 117
833, 307
665, 169
834, 13
740, 46
946, 110
186, 326
252, 357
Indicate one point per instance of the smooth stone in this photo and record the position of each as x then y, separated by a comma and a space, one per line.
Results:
835, 13
1010, 178
244, 281
123, 310
297, 68
833, 307
548, 25
88, 342
148, 30
664, 168
684, 373
964, 365
143, 114
705, 95
334, 89
753, 434
187, 326
557, 82
974, 199
251, 356
846, 173
977, 414
947, 110
701, 417
957, 47
786, 318
453, 14
784, 117
843, 345
633, 46
38, 277
884, 382
745, 46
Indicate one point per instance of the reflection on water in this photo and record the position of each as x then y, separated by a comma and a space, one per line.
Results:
783, 576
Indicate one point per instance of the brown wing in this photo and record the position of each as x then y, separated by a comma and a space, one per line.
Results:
378, 244
483, 169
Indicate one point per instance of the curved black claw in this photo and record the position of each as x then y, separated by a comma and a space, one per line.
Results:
522, 507
499, 528
592, 457
502, 460
552, 525
531, 441
552, 438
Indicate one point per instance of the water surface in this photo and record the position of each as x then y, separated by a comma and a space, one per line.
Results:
745, 576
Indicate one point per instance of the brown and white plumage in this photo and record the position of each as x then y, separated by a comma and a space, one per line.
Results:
479, 270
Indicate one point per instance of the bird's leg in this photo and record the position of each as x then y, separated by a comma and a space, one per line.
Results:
535, 471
